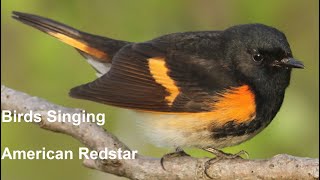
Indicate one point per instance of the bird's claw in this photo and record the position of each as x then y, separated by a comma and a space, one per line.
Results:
178, 153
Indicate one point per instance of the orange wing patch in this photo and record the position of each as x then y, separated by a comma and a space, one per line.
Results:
80, 45
159, 72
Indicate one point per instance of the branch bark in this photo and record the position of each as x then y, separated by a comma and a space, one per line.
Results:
95, 137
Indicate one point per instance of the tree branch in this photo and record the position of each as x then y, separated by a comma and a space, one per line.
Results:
91, 135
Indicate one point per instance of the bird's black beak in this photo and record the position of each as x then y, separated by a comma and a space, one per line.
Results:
289, 62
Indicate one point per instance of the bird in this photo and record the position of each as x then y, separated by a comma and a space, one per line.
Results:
200, 89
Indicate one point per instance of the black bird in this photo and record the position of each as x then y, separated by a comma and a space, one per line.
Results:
207, 89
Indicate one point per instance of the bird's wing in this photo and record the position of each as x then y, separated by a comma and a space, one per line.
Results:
146, 78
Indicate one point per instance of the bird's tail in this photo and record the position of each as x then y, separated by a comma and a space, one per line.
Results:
97, 50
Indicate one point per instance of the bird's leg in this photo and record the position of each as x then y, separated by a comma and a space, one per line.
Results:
219, 156
179, 152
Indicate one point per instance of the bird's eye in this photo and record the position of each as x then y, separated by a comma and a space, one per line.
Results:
257, 57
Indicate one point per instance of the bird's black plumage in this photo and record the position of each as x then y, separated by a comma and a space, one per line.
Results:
232, 82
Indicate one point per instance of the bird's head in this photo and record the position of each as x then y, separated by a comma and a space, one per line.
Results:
260, 54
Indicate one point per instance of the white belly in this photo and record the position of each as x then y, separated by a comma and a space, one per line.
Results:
171, 130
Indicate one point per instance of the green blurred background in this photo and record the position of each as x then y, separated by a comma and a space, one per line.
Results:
43, 66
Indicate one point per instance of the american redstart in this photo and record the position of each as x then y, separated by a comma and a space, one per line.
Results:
207, 89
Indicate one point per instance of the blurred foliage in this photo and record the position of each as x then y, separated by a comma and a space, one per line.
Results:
42, 66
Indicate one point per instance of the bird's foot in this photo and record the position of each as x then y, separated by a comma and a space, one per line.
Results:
179, 152
220, 155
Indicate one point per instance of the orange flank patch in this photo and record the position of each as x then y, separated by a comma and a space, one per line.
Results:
80, 45
159, 72
235, 104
